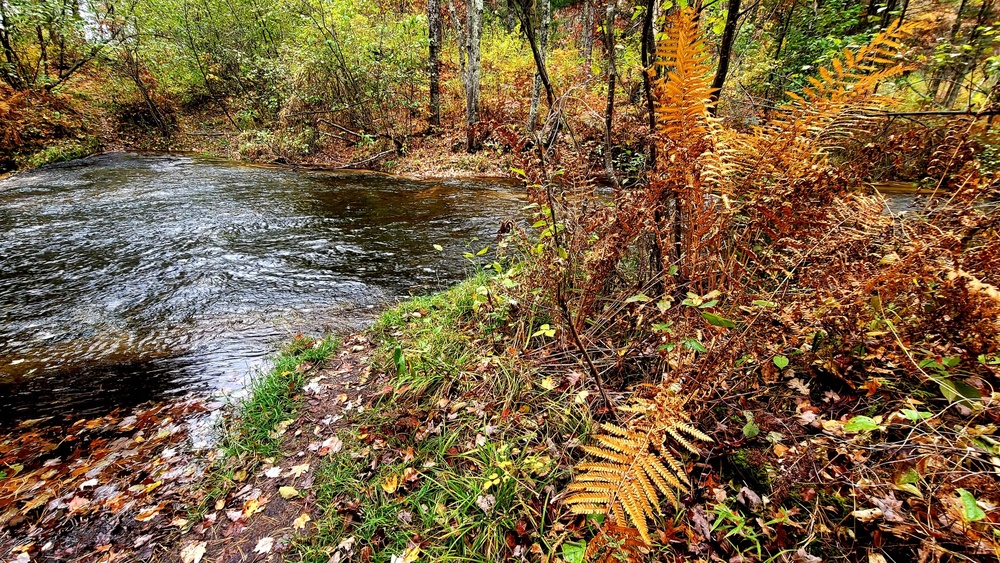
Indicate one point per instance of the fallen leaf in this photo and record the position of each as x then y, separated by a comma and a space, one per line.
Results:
868, 514
148, 514
77, 503
331, 446
264, 545
273, 473
390, 483
486, 503
193, 552
297, 470
288, 492
300, 522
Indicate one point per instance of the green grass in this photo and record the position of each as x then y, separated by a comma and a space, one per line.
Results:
273, 399
499, 441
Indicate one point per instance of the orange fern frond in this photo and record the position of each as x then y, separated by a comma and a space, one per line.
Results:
635, 467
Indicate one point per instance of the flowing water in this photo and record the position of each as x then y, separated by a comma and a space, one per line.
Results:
127, 278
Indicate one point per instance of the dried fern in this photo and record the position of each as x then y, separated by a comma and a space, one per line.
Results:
636, 465
615, 544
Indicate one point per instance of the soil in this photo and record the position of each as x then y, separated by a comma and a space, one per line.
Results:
331, 392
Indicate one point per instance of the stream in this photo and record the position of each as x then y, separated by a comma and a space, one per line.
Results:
127, 278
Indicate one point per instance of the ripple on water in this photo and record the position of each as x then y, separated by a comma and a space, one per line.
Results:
129, 278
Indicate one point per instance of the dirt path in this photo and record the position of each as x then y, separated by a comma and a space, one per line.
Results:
258, 521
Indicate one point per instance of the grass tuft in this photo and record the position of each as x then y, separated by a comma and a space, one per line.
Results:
273, 399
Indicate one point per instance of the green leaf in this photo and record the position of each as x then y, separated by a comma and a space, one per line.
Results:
970, 510
574, 552
539, 224
483, 251
438, 247
958, 392
399, 359
663, 327
750, 429
518, 172
860, 424
906, 481
544, 330
780, 361
672, 271
663, 305
951, 361
708, 304
915, 416
638, 298
716, 320
763, 303
692, 344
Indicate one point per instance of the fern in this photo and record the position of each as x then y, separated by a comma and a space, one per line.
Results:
635, 467
615, 544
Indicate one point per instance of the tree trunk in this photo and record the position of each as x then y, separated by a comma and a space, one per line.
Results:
725, 51
434, 60
474, 70
460, 36
587, 39
647, 57
609, 111
934, 84
543, 41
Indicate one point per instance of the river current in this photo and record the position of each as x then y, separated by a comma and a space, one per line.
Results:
128, 278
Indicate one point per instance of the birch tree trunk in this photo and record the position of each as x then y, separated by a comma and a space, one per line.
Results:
543, 42
473, 69
434, 60
587, 40
609, 112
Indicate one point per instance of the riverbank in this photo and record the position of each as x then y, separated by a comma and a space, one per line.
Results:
476, 429
52, 129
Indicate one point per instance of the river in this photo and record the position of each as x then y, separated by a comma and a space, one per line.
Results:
128, 278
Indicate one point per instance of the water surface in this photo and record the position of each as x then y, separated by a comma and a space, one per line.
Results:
125, 278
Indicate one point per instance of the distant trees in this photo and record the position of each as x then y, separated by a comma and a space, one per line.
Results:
45, 42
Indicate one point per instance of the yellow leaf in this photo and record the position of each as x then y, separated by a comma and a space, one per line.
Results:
300, 522
288, 492
390, 483
411, 554
548, 383
298, 470
240, 475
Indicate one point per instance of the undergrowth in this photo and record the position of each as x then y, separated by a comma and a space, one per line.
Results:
463, 455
